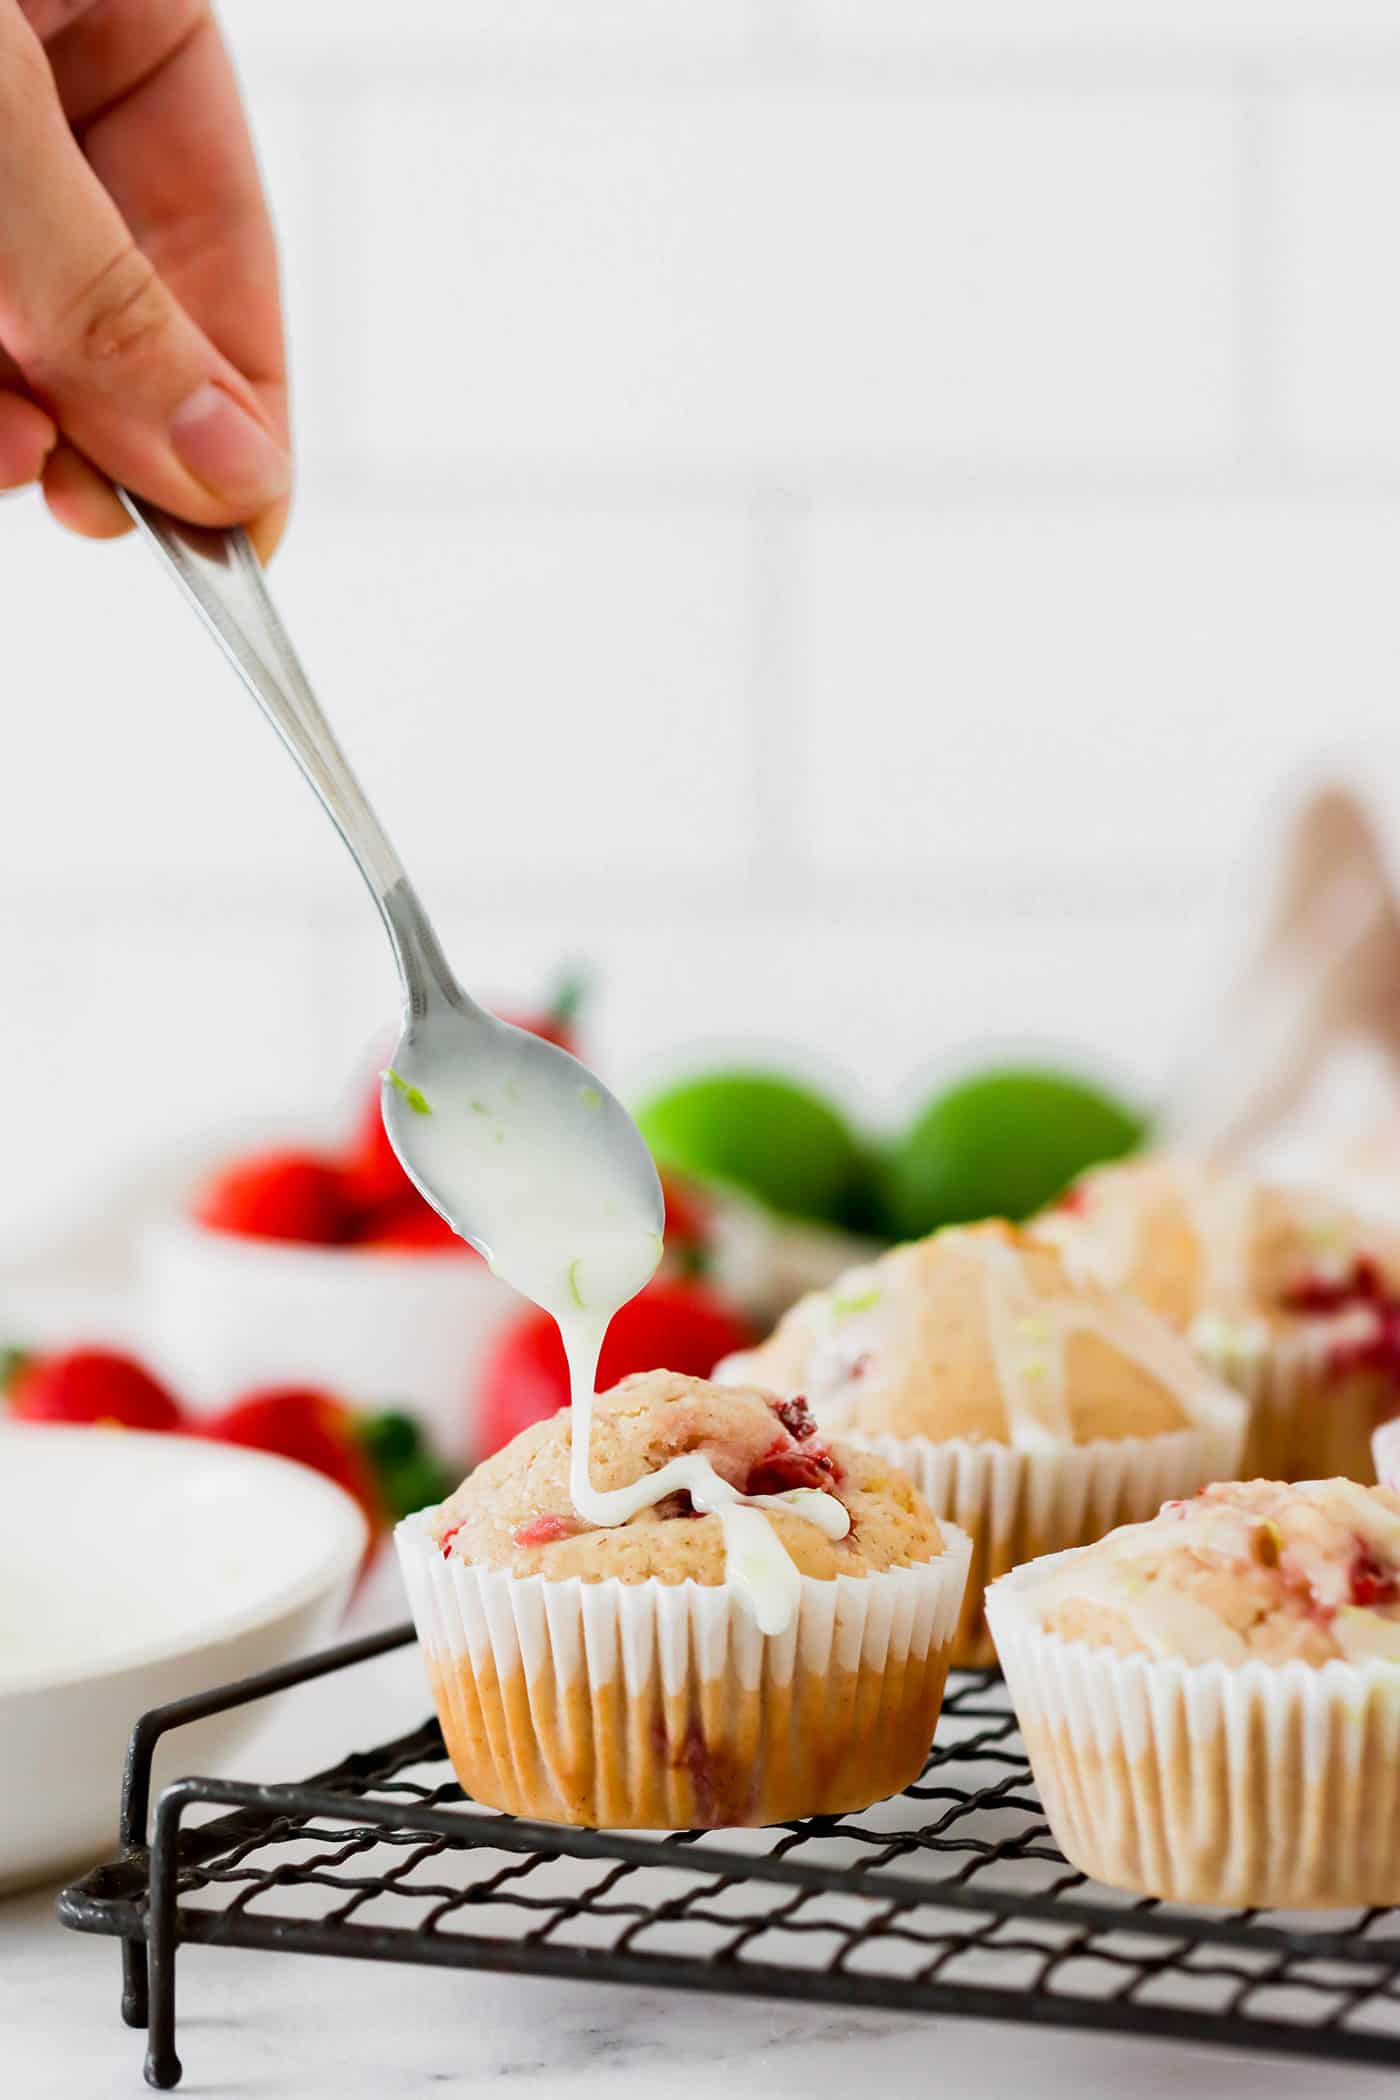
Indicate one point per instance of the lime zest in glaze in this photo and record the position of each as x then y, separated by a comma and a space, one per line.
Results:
574, 1292
590, 1097
860, 1301
414, 1096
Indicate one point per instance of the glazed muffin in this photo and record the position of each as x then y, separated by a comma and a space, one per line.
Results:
665, 1672
1211, 1701
1288, 1296
1034, 1410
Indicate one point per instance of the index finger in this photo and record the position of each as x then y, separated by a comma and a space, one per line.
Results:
151, 93
151, 96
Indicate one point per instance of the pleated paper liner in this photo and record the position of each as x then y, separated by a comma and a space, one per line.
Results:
1017, 1504
1276, 1786
655, 1705
1308, 1418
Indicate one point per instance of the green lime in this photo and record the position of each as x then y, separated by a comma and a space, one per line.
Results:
770, 1137
1001, 1145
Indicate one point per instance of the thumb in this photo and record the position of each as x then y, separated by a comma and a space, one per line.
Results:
102, 343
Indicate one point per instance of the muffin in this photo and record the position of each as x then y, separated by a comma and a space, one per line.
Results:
1289, 1297
1211, 1701
622, 1675
1035, 1411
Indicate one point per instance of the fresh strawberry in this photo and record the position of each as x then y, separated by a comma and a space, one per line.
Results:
408, 1225
302, 1423
680, 1326
281, 1196
92, 1385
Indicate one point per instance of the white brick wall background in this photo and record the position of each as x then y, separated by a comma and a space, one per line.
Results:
842, 513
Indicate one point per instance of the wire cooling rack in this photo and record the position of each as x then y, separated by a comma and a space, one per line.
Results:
952, 1898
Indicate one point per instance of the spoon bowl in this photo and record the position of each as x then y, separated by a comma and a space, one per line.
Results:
525, 1152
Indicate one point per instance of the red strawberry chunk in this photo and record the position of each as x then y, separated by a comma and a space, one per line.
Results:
1372, 1581
445, 1542
1361, 1288
677, 1505
784, 1467
796, 1417
547, 1530
1361, 1284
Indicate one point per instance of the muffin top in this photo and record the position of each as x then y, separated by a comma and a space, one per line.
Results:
1248, 1570
1216, 1253
981, 1333
514, 1511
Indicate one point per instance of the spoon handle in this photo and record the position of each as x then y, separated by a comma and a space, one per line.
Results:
222, 578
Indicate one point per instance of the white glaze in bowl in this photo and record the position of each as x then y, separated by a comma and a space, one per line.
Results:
134, 1570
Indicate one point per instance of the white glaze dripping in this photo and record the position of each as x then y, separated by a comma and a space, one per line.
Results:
1166, 1620
580, 1241
1113, 1243
1220, 1208
756, 1561
1029, 1338
1028, 1349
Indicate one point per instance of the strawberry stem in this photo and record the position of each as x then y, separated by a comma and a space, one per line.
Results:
407, 1475
568, 997
13, 1362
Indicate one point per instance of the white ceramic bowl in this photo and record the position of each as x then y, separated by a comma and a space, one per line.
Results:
225, 1315
134, 1570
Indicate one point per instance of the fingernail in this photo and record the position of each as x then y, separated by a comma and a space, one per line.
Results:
228, 449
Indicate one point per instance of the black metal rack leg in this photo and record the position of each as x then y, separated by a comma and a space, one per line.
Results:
135, 1990
163, 2066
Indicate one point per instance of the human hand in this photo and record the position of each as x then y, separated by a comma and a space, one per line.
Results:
140, 328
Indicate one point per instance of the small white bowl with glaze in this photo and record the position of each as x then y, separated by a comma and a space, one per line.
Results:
134, 1570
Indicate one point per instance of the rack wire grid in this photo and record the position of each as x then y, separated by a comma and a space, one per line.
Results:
951, 1898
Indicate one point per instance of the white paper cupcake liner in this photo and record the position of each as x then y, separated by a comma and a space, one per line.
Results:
1306, 1421
661, 1705
1275, 1786
1018, 1504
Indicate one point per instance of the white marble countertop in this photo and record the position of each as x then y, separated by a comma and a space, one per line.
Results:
253, 2024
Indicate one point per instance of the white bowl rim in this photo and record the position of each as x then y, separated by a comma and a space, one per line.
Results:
347, 1534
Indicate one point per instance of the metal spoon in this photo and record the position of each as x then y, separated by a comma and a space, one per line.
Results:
521, 1148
